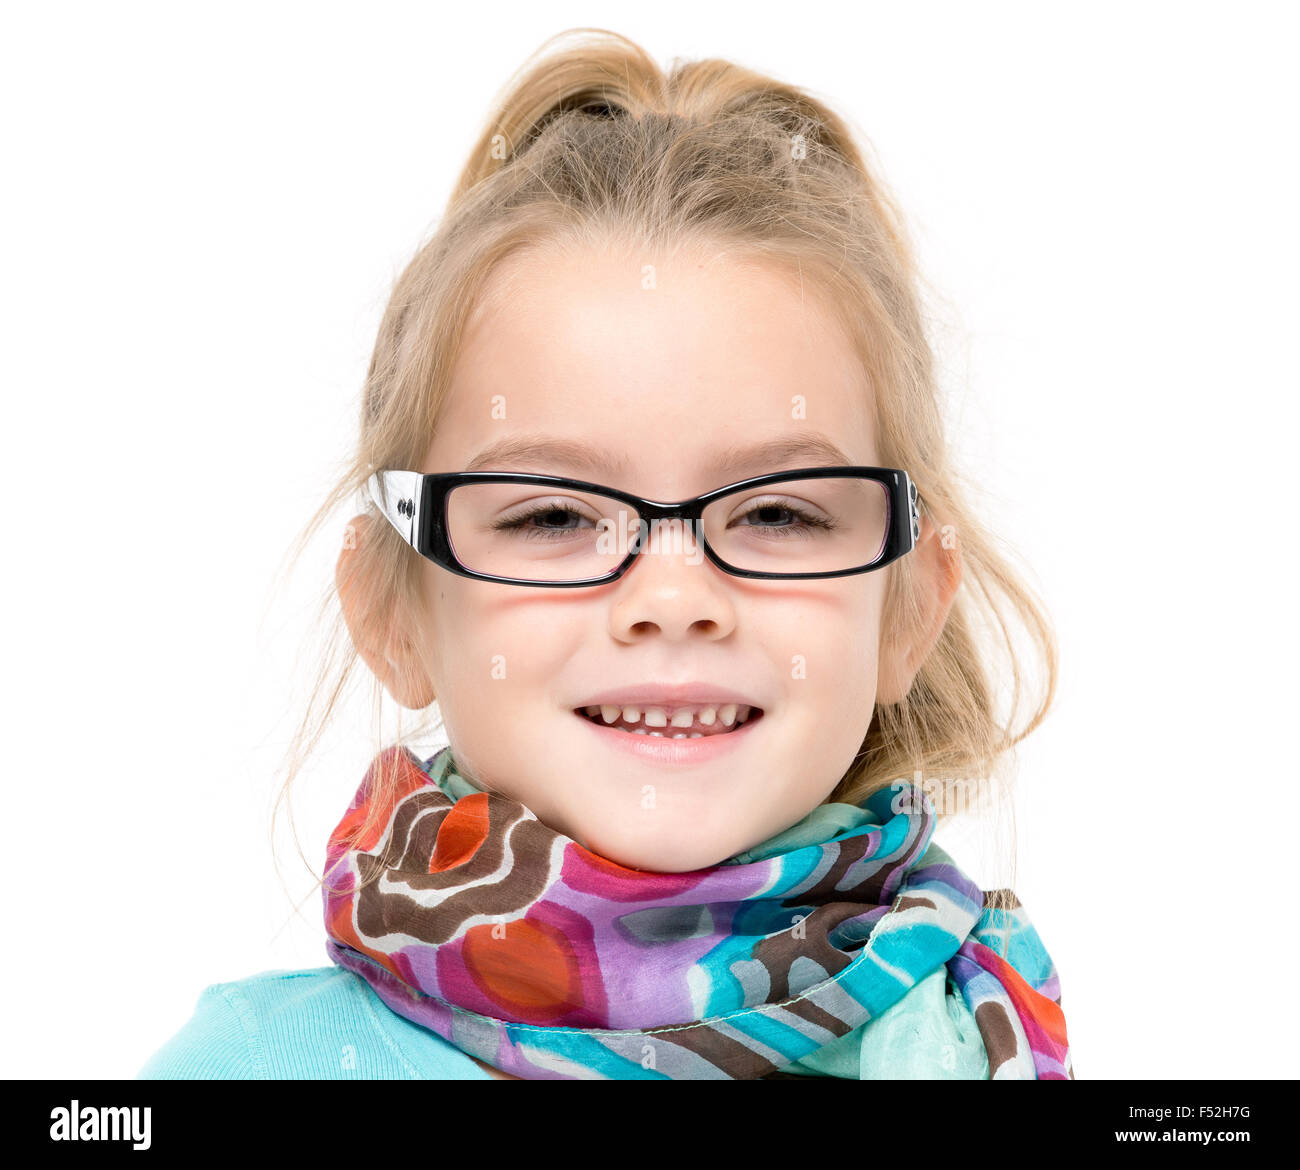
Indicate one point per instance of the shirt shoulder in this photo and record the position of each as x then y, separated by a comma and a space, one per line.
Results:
324, 1023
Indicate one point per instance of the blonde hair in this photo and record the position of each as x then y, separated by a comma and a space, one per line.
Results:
592, 141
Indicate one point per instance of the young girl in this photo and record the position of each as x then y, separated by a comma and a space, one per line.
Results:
660, 512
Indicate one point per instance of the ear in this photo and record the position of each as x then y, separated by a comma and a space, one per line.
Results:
380, 639
938, 572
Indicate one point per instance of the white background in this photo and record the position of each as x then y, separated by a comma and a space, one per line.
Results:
203, 211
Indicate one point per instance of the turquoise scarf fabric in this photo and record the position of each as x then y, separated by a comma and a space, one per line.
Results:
469, 916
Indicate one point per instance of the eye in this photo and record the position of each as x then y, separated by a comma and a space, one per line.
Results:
774, 510
556, 515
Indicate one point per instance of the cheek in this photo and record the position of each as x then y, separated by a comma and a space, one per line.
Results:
862, 621
495, 645
839, 631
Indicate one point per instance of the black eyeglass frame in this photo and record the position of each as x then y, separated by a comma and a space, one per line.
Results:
415, 504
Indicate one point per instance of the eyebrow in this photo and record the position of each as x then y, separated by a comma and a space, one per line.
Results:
548, 451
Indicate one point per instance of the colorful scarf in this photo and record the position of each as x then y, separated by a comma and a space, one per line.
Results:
547, 961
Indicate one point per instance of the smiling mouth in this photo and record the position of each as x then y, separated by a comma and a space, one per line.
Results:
664, 723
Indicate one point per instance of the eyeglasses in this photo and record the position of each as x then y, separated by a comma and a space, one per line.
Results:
551, 531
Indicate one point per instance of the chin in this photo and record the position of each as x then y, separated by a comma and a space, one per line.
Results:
668, 857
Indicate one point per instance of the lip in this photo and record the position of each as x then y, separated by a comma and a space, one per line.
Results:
682, 752
668, 695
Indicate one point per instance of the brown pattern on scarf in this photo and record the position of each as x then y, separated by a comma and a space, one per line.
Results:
777, 954
722, 1051
869, 890
998, 1035
411, 845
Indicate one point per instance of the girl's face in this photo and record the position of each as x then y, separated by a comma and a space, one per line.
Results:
656, 374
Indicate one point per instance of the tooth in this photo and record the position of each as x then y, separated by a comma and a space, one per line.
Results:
708, 715
728, 714
684, 718
681, 735
593, 710
658, 734
609, 714
697, 735
742, 714
640, 731
631, 714
656, 717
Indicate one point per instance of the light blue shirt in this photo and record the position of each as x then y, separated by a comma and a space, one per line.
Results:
321, 1024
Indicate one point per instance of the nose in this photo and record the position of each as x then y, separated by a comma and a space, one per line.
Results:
672, 587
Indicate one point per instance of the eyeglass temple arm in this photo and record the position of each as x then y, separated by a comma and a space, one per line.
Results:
397, 496
914, 511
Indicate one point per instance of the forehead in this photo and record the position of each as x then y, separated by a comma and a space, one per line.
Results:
654, 371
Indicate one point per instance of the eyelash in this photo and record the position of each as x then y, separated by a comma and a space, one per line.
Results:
536, 510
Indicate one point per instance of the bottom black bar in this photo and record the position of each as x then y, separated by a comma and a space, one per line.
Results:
164, 1118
